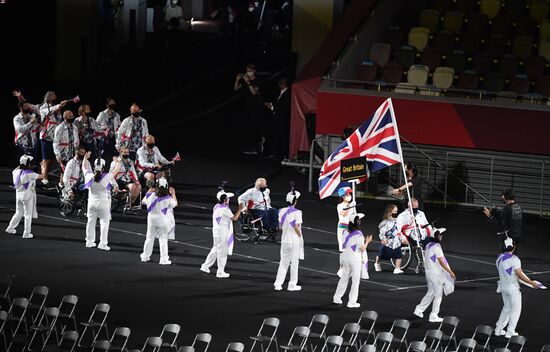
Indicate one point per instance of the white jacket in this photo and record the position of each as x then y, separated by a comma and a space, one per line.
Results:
25, 131
148, 158
103, 122
92, 124
50, 117
61, 140
124, 132
260, 201
73, 173
405, 223
126, 171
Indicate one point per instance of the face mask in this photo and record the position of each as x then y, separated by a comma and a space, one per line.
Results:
251, 9
112, 106
347, 198
27, 111
250, 74
79, 156
262, 189
125, 156
150, 145
69, 120
135, 114
394, 215
415, 211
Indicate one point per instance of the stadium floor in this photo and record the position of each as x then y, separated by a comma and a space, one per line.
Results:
145, 296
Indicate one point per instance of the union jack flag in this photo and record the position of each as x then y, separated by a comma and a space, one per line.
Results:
176, 157
377, 140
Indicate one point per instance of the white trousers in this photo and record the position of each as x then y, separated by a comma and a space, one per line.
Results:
153, 232
102, 212
509, 316
340, 234
434, 295
23, 209
218, 253
351, 269
290, 256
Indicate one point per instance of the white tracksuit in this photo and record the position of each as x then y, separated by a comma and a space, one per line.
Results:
159, 224
343, 220
292, 246
351, 266
25, 131
72, 175
25, 199
61, 146
405, 223
50, 118
99, 206
507, 264
124, 132
223, 237
103, 121
148, 158
435, 277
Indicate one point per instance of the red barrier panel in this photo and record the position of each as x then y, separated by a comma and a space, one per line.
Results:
442, 123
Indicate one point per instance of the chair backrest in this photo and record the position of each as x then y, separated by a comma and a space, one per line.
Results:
449, 324
101, 345
368, 348
186, 349
453, 21
269, 323
50, 314
320, 320
418, 75
68, 304
418, 37
431, 57
483, 334
204, 338
170, 332
545, 348
392, 72
522, 46
299, 332
18, 307
155, 342
368, 319
429, 18
383, 341
351, 330
433, 338
467, 345
5, 285
490, 7
100, 313
380, 53
502, 349
539, 10
399, 328
333, 343
68, 340
544, 49
235, 347
417, 346
3, 318
443, 77
120, 337
517, 341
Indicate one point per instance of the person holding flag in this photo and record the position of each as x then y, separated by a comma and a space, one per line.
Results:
24, 182
354, 245
292, 243
222, 231
345, 209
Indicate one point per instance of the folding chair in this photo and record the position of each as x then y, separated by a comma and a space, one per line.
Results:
186, 349
119, 338
433, 339
417, 346
349, 334
152, 344
502, 349
17, 315
3, 318
367, 320
37, 302
319, 321
6, 282
383, 341
300, 332
399, 329
483, 333
367, 348
45, 326
516, 343
262, 337
235, 347
97, 321
101, 345
203, 338
449, 324
466, 345
167, 331
66, 311
68, 341
545, 348
333, 343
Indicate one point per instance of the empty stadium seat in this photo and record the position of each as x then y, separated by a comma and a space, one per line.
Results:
482, 62
526, 26
544, 29
469, 80
522, 46
444, 41
443, 77
467, 7
497, 45
392, 72
515, 7
418, 37
490, 7
520, 84
502, 25
478, 24
418, 75
380, 53
457, 60
538, 9
534, 66
494, 81
394, 36
544, 49
453, 21
470, 44
429, 18
508, 64
366, 72
431, 57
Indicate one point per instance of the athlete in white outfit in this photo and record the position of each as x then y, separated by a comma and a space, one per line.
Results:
99, 186
437, 269
223, 236
345, 209
160, 220
24, 182
510, 273
292, 243
354, 245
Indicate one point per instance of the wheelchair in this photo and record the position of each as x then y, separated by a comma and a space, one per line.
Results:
250, 227
73, 203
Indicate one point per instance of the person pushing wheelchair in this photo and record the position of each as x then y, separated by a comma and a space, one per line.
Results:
258, 201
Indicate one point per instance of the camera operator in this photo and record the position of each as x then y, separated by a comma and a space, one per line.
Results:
509, 218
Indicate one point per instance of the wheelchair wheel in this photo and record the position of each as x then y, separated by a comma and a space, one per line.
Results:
406, 252
244, 228
117, 200
66, 206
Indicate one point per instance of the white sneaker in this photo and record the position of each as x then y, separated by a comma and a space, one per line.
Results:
165, 262
510, 334
222, 275
104, 247
11, 231
418, 313
278, 288
90, 244
144, 259
28, 236
398, 271
499, 332
336, 301
377, 267
205, 269
354, 305
294, 288
435, 319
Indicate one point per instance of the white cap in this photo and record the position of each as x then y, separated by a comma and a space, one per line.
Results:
222, 192
99, 164
25, 159
290, 196
163, 182
352, 217
508, 242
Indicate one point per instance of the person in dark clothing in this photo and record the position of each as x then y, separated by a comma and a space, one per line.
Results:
280, 121
413, 182
509, 219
